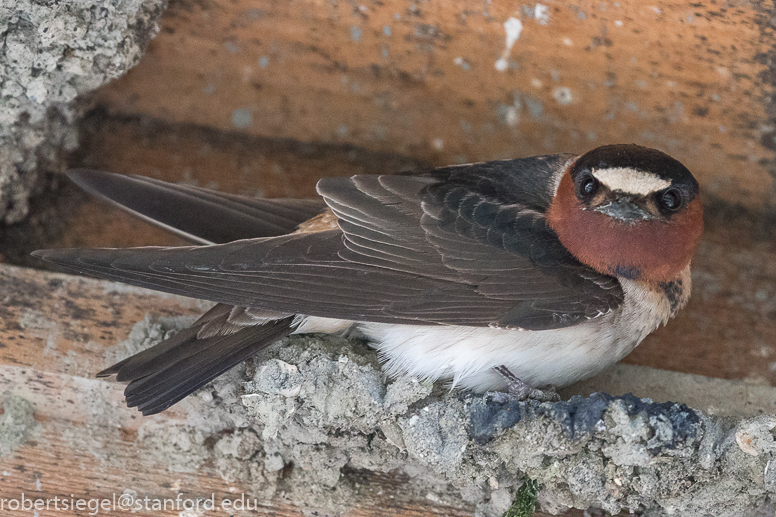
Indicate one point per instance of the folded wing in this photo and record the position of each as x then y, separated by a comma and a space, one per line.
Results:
464, 245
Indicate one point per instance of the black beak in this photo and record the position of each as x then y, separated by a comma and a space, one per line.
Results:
624, 209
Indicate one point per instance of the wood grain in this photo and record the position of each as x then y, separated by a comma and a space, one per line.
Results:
420, 78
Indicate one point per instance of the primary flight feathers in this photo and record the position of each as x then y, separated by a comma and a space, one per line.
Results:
451, 246
198, 214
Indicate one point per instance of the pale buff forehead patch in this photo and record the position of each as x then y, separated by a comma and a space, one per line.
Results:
630, 180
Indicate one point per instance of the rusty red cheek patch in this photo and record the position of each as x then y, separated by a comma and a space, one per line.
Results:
652, 251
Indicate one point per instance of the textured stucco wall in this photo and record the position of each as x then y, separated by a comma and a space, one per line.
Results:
51, 52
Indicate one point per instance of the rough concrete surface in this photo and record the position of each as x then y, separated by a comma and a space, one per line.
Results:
315, 406
713, 396
51, 52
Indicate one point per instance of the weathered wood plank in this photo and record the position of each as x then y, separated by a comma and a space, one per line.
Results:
61, 323
422, 79
729, 327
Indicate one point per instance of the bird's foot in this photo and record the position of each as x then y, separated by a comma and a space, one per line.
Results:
519, 390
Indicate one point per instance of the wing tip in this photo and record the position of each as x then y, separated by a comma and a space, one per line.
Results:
49, 255
56, 256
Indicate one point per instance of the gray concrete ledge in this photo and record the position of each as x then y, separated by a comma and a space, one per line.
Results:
50, 53
315, 406
719, 397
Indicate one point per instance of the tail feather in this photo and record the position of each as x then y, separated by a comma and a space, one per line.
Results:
166, 353
166, 373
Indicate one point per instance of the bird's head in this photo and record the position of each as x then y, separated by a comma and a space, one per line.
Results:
629, 211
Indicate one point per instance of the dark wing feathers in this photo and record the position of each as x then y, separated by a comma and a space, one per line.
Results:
132, 368
201, 215
466, 245
471, 232
164, 374
270, 274
529, 182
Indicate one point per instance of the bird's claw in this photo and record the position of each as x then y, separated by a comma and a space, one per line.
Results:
519, 390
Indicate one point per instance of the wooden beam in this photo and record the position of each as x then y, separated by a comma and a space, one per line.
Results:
437, 81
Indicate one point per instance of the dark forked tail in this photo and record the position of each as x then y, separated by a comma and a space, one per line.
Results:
166, 373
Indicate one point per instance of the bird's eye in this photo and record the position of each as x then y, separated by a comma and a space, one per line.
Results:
588, 186
670, 200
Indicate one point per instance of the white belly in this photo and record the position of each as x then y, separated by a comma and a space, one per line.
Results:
467, 355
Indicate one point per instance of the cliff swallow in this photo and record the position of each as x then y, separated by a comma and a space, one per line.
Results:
529, 272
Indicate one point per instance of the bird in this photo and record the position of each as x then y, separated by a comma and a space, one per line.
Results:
520, 275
